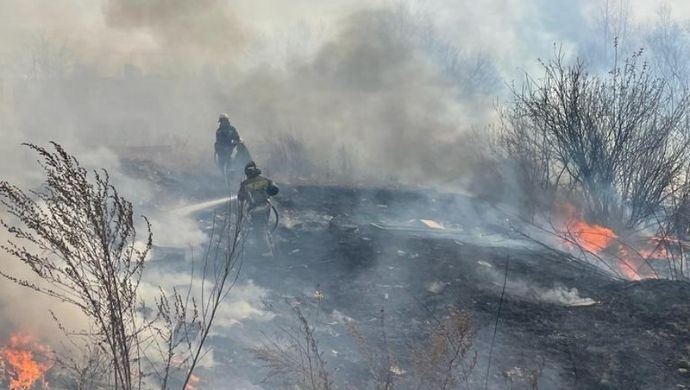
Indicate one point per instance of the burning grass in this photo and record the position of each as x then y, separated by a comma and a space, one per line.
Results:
632, 256
24, 362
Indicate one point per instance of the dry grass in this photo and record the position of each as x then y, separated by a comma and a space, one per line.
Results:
446, 360
78, 236
382, 366
293, 358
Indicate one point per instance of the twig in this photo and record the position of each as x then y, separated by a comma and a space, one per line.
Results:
498, 315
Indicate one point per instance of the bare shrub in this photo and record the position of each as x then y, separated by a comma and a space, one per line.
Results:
615, 144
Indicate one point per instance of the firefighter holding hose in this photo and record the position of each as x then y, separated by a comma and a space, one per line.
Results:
254, 196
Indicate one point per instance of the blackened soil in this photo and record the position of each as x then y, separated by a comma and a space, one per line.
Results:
636, 335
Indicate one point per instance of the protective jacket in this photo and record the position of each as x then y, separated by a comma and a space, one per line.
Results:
256, 191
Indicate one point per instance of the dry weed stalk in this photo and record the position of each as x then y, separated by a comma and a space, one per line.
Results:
78, 236
446, 361
294, 356
377, 353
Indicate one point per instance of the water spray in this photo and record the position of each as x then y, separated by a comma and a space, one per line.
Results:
193, 208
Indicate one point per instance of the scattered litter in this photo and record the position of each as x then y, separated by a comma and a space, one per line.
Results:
435, 287
431, 224
391, 286
582, 302
340, 317
401, 253
485, 264
418, 226
397, 370
334, 352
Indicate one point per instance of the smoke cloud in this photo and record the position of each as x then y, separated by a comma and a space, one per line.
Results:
196, 31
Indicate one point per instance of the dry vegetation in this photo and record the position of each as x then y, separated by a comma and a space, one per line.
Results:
293, 358
78, 236
444, 359
614, 145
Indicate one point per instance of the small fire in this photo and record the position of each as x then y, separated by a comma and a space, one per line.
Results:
591, 237
603, 241
22, 370
630, 266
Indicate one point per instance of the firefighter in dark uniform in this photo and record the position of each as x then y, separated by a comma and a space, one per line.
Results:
254, 194
227, 138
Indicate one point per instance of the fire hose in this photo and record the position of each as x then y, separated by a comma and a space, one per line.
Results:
275, 211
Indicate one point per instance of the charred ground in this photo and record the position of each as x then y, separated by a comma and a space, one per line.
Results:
576, 328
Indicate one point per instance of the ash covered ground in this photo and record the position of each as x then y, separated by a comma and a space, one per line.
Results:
346, 253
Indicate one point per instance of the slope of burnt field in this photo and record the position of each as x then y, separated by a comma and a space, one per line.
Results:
364, 251
585, 331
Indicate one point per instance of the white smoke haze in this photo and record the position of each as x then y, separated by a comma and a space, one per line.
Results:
244, 303
388, 88
518, 288
25, 310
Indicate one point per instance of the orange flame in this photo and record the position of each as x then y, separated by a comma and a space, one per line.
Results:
591, 237
596, 239
21, 368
